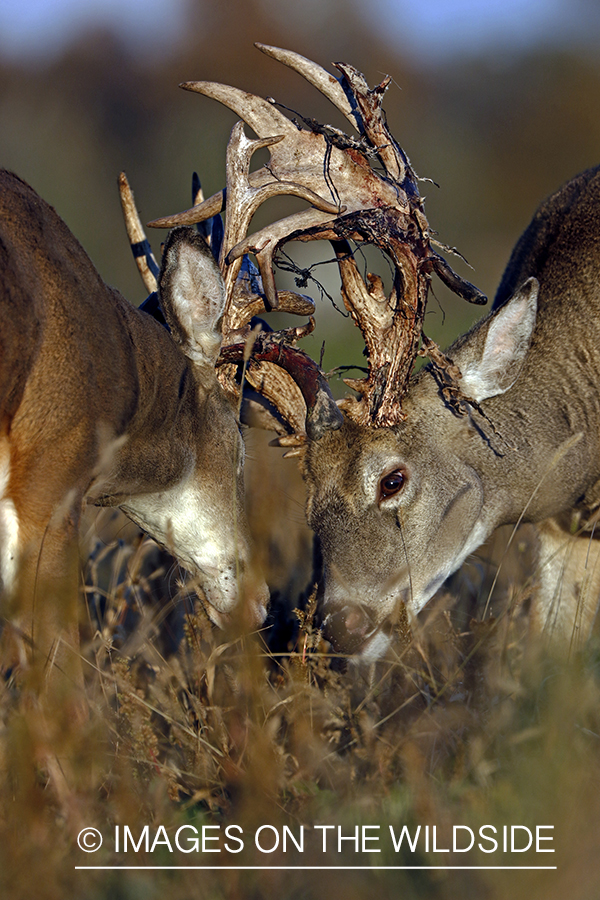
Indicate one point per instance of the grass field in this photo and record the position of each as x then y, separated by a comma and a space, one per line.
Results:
193, 741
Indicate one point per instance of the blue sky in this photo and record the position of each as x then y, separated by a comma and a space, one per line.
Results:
432, 28
43, 27
445, 27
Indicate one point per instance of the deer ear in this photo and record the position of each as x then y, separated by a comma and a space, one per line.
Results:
192, 294
506, 345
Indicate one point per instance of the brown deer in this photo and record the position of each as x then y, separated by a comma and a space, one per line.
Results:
101, 404
419, 497
408, 480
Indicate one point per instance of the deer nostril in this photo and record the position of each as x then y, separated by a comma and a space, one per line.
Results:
356, 621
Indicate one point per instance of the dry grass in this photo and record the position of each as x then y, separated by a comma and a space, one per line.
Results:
469, 723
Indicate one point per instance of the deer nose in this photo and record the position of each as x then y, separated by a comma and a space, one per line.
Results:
250, 616
347, 628
257, 612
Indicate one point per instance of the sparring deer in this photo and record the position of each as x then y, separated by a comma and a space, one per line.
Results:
417, 498
101, 404
408, 479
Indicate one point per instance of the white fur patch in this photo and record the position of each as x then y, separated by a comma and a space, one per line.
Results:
201, 536
9, 528
374, 649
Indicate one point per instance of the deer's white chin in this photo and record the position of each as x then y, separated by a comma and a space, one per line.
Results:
374, 648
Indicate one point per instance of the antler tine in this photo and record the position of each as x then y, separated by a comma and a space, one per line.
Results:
243, 200
375, 127
199, 212
320, 78
140, 246
391, 328
204, 227
259, 114
197, 192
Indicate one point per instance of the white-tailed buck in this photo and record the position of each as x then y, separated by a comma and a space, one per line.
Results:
410, 478
399, 509
101, 404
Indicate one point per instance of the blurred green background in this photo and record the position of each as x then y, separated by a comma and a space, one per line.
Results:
497, 104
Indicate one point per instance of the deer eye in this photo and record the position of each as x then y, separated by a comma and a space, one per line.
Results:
391, 484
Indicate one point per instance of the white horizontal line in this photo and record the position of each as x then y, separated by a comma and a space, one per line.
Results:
309, 868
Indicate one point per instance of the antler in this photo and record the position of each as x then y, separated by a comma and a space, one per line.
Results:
322, 413
278, 403
140, 246
249, 295
246, 192
374, 199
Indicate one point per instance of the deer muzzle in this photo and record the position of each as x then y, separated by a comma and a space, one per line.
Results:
349, 628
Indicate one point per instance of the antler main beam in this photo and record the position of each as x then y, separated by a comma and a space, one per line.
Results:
322, 413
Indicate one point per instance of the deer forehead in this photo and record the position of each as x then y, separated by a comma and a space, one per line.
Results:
219, 440
347, 454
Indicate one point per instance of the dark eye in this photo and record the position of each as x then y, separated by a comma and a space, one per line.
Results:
391, 484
